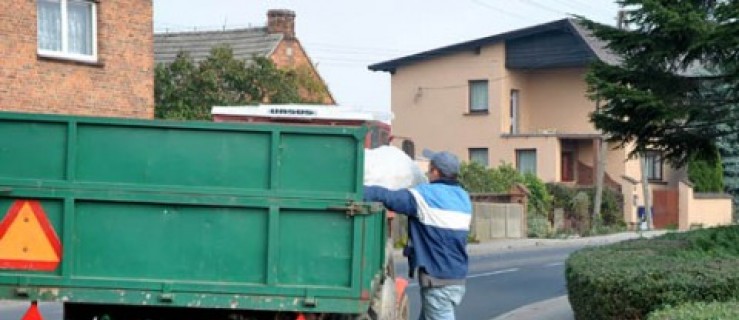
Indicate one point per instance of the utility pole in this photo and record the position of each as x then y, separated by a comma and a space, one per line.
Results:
645, 190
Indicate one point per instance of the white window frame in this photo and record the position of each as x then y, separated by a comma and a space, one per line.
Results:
654, 165
519, 153
515, 105
483, 83
64, 54
475, 152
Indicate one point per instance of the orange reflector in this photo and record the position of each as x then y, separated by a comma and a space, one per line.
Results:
27, 239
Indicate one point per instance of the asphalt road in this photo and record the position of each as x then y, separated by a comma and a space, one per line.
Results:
502, 281
15, 310
498, 282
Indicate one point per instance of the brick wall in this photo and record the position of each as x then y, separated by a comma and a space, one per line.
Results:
290, 54
121, 84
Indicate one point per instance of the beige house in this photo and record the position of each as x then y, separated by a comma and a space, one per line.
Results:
520, 98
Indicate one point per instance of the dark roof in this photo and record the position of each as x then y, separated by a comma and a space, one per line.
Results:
597, 45
590, 47
245, 43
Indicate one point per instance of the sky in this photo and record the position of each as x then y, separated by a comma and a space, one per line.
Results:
344, 37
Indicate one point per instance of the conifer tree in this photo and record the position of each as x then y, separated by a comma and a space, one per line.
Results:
676, 87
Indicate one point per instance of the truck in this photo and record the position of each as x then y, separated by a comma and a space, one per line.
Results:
124, 219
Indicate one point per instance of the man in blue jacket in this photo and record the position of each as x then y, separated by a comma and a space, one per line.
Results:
439, 215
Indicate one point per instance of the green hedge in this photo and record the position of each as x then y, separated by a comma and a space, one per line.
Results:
698, 311
628, 280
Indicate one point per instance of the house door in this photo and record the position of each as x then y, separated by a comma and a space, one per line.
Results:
666, 208
568, 165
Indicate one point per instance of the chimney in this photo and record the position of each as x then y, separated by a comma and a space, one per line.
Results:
281, 21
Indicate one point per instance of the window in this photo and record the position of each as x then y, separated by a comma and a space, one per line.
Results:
526, 160
514, 112
67, 29
479, 155
409, 148
478, 96
654, 165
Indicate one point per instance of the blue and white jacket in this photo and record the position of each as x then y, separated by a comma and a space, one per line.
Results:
439, 221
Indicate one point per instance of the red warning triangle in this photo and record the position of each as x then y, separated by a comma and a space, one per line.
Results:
27, 239
32, 313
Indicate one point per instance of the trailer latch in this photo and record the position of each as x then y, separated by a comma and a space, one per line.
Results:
22, 292
352, 208
310, 302
166, 297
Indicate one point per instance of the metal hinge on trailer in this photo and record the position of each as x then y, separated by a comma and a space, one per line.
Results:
353, 208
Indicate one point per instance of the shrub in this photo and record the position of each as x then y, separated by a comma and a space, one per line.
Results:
561, 196
538, 227
611, 214
580, 211
628, 280
698, 311
505, 176
611, 207
706, 174
600, 227
476, 178
540, 199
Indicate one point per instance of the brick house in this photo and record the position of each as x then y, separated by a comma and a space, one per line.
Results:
77, 57
520, 97
276, 41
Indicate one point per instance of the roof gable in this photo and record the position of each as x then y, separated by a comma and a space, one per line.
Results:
245, 43
559, 43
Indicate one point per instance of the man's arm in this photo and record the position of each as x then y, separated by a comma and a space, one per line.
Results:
400, 201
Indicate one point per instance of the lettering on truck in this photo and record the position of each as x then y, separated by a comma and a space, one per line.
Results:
300, 112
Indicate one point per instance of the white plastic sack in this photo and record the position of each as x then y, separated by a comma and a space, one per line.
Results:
390, 167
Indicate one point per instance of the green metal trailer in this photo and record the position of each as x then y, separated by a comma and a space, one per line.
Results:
120, 217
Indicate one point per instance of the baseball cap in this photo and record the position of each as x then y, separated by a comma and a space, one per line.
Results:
446, 162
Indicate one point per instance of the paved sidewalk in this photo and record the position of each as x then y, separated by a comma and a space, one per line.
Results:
498, 245
503, 244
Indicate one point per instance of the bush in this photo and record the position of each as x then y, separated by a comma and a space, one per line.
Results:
706, 174
540, 199
611, 207
478, 179
698, 311
611, 213
581, 211
628, 280
561, 196
538, 227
